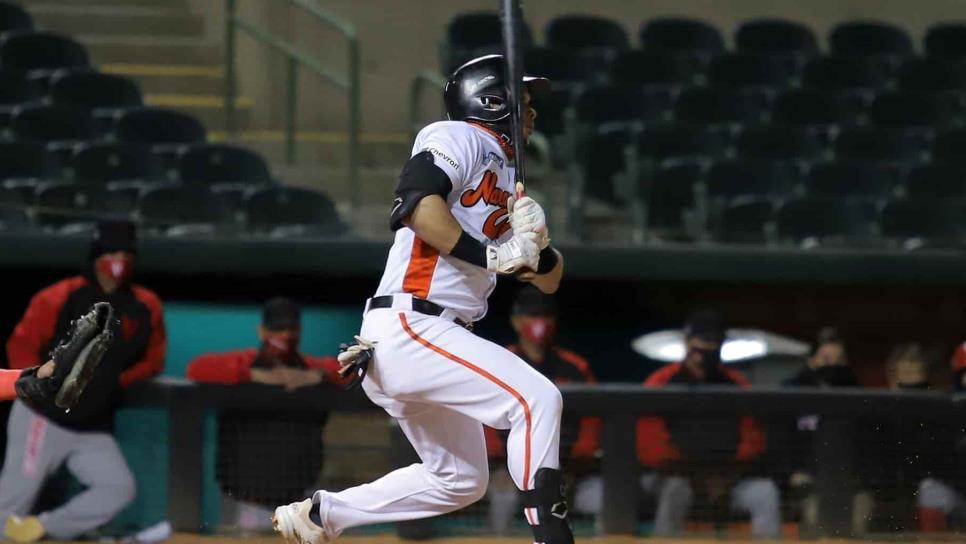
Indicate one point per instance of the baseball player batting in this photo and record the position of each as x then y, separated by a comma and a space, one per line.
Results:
458, 225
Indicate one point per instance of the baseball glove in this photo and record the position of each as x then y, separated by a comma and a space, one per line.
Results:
75, 359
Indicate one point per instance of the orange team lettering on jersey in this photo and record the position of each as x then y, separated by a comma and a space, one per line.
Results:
482, 177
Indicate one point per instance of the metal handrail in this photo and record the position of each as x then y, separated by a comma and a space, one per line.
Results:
424, 79
296, 57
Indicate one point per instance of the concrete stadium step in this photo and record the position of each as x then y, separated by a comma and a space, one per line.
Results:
172, 78
179, 5
127, 49
209, 109
111, 20
389, 149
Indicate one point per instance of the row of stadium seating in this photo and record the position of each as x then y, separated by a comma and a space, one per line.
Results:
76, 143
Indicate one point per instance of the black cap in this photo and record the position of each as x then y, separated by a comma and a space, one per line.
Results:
532, 301
114, 235
281, 313
705, 324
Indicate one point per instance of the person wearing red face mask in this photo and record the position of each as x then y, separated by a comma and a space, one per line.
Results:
533, 317
39, 439
252, 469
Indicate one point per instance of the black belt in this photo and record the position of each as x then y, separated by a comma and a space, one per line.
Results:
420, 305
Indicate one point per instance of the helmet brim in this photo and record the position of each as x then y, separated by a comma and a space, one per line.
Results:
536, 85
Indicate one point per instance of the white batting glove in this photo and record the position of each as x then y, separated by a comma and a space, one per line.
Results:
355, 354
525, 215
518, 253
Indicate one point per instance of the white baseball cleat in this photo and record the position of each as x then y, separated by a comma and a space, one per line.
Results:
293, 523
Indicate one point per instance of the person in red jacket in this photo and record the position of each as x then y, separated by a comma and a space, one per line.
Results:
710, 454
534, 319
268, 458
42, 439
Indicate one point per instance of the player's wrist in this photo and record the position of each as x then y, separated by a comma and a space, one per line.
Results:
548, 260
471, 250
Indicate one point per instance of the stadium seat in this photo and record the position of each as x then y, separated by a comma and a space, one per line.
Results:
566, 70
738, 70
93, 90
743, 220
289, 211
870, 38
681, 35
13, 17
158, 126
834, 73
946, 41
703, 105
647, 68
40, 53
621, 105
950, 146
676, 140
853, 179
779, 142
15, 89
58, 126
583, 32
20, 159
914, 110
178, 210
927, 74
732, 178
878, 144
99, 163
470, 35
550, 108
205, 165
667, 193
937, 180
775, 37
815, 108
825, 221
62, 204
602, 159
927, 218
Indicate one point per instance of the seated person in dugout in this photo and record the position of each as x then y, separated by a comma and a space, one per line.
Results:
266, 458
708, 461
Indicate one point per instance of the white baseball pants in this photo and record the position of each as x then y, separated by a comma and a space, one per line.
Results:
440, 381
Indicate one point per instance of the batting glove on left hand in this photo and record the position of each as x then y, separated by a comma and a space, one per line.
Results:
354, 359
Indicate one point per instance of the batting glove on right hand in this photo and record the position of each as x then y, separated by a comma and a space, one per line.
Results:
518, 253
526, 215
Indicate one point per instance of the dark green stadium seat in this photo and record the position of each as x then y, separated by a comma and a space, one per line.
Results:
290, 211
746, 70
583, 32
208, 164
937, 180
838, 73
654, 68
40, 53
853, 179
681, 35
158, 126
92, 90
937, 221
13, 17
62, 204
716, 106
878, 144
667, 193
950, 146
815, 108
915, 110
732, 178
100, 163
567, 70
470, 35
825, 221
186, 211
622, 105
779, 142
946, 41
20, 159
776, 37
743, 220
59, 127
13, 210
870, 38
603, 160
15, 89
928, 74
550, 108
682, 140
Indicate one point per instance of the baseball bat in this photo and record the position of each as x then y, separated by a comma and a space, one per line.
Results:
511, 17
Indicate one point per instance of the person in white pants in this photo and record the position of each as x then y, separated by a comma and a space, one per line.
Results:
459, 221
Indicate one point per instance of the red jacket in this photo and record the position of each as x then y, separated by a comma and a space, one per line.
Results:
561, 366
236, 367
655, 446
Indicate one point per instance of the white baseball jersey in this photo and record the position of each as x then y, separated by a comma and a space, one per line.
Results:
476, 162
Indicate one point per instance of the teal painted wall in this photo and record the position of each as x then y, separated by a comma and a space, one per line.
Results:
194, 329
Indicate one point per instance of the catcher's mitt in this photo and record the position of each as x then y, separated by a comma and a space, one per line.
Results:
75, 359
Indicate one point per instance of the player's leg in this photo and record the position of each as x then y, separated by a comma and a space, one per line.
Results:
484, 381
7, 379
674, 500
97, 462
760, 498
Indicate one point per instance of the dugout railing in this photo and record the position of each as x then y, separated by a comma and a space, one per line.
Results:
619, 406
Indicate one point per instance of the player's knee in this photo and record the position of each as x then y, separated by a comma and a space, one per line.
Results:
471, 488
122, 488
764, 495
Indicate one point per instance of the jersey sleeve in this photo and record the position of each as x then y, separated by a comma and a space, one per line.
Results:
454, 148
232, 367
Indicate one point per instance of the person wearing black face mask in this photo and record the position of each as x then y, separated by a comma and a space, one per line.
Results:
827, 365
712, 457
253, 470
533, 317
81, 438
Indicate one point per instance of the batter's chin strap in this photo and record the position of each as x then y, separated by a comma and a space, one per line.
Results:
549, 497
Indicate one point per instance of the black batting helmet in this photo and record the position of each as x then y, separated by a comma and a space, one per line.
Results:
477, 91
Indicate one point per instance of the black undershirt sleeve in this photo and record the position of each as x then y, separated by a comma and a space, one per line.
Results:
420, 178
